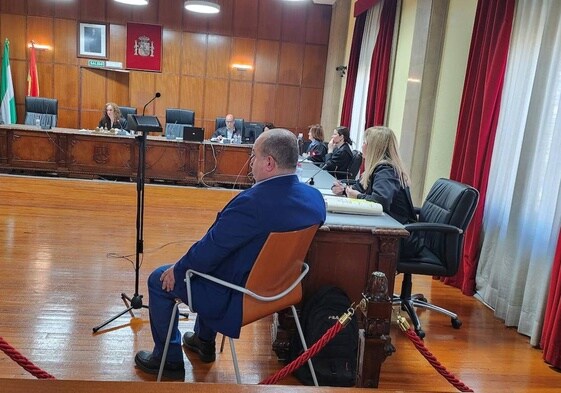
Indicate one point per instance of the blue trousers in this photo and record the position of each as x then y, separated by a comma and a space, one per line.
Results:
161, 307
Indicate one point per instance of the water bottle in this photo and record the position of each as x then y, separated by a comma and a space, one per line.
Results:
300, 144
38, 123
299, 171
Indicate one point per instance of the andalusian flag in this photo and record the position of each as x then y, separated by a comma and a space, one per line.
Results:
32, 78
8, 107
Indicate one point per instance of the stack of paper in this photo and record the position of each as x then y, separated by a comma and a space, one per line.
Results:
338, 204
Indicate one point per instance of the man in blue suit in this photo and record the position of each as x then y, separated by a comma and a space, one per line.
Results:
277, 202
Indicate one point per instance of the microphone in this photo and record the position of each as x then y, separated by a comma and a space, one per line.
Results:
311, 179
157, 95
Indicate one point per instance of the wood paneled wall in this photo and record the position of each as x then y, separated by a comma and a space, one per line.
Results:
286, 43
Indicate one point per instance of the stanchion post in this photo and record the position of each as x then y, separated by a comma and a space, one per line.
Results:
374, 340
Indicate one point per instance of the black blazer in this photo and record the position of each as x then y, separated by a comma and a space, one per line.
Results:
317, 152
223, 132
338, 162
384, 187
106, 122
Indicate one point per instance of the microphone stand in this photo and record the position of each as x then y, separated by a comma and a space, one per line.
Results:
135, 302
311, 181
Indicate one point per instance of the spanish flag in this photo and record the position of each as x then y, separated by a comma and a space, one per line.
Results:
32, 78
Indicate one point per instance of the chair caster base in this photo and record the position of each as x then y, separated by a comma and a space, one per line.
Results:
456, 323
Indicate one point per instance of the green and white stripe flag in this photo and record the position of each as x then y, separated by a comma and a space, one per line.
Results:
8, 106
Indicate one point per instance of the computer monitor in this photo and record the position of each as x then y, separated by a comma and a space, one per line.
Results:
251, 131
144, 123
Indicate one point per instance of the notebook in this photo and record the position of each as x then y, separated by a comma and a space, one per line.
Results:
193, 134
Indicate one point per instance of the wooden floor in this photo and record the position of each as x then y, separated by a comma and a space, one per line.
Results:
67, 252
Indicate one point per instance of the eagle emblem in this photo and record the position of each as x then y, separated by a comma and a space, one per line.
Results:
144, 47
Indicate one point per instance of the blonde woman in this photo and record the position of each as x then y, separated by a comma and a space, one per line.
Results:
384, 179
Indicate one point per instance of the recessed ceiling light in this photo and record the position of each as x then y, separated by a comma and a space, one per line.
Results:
133, 2
202, 7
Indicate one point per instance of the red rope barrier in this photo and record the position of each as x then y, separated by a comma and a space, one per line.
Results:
435, 363
300, 360
23, 361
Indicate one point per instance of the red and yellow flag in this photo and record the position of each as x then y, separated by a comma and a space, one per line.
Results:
32, 78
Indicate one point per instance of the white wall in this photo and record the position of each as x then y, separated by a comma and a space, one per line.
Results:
459, 26
401, 67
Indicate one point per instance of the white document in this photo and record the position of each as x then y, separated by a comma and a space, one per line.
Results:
338, 204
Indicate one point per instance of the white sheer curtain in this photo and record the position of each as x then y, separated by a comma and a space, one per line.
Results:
523, 207
371, 28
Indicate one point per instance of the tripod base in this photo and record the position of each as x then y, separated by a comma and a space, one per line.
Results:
135, 304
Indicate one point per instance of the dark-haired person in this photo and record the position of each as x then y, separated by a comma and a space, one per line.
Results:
339, 154
316, 150
228, 251
112, 117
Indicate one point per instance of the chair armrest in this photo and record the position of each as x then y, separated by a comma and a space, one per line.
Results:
432, 227
238, 288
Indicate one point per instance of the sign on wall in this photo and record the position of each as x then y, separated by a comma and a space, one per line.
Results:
144, 47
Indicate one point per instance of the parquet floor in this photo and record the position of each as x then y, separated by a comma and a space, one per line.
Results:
67, 251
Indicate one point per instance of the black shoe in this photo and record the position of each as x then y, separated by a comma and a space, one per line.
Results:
147, 363
205, 349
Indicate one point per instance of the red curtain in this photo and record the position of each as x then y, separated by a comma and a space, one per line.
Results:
361, 6
380, 66
352, 69
477, 123
32, 78
551, 332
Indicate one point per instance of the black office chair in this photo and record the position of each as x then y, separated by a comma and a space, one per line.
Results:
176, 119
43, 109
354, 166
435, 244
238, 123
127, 110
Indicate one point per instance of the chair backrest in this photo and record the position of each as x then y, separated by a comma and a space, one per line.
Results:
185, 117
238, 123
355, 164
44, 109
277, 266
176, 120
127, 110
453, 203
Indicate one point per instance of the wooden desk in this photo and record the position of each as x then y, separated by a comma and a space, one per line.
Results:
226, 164
84, 153
346, 250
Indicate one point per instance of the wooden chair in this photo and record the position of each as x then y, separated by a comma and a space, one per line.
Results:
274, 283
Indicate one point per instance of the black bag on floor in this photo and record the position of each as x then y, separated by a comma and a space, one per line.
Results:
335, 364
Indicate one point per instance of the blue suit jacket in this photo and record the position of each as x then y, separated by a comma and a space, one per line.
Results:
230, 247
